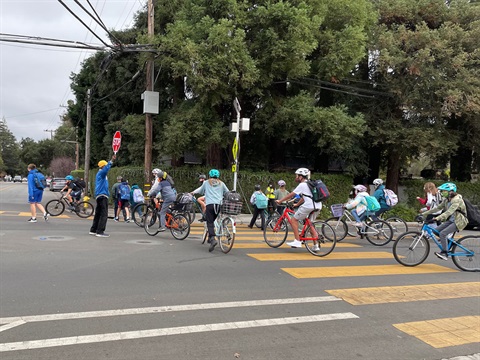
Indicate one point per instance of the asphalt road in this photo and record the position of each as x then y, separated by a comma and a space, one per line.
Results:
67, 295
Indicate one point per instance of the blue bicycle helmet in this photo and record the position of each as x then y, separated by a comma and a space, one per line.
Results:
214, 173
448, 187
69, 177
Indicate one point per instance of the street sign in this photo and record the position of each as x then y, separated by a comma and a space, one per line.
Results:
117, 140
234, 168
235, 149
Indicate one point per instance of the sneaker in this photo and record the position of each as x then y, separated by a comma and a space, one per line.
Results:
315, 248
213, 243
32, 220
442, 255
250, 227
295, 243
115, 219
127, 220
92, 233
102, 235
45, 216
201, 220
162, 229
358, 224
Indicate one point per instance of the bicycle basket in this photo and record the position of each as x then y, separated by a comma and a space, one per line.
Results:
231, 207
177, 206
337, 210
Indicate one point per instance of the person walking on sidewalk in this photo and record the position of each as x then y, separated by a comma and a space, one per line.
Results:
35, 195
101, 196
260, 203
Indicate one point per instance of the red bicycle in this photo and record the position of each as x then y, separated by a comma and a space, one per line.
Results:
318, 236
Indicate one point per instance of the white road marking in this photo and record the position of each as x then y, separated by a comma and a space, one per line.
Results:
150, 310
11, 325
127, 335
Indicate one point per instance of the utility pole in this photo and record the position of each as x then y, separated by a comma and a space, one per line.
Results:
87, 140
51, 132
149, 117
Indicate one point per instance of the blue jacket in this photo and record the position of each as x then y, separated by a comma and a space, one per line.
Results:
31, 183
379, 194
101, 181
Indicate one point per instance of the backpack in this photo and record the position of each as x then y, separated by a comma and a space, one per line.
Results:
473, 215
81, 183
123, 192
319, 190
390, 197
372, 203
261, 201
137, 196
40, 181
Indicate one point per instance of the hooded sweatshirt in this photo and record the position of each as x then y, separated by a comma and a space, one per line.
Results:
213, 189
359, 203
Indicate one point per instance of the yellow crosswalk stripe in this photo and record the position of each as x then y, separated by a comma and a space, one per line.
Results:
332, 256
373, 270
392, 294
440, 333
245, 244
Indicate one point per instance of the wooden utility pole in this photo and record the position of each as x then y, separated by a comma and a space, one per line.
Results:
87, 140
149, 117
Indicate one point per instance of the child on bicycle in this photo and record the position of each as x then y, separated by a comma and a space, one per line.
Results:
379, 194
201, 199
358, 206
307, 208
281, 192
213, 189
164, 187
74, 190
453, 216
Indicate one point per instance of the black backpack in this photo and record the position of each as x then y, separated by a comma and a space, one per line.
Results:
473, 216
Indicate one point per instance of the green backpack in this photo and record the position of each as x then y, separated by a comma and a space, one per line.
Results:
372, 203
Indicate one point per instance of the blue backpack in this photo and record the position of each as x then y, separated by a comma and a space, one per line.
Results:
124, 191
372, 203
40, 181
261, 201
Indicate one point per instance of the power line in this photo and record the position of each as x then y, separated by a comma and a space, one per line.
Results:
98, 37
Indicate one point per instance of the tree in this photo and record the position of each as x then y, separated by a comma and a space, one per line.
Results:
61, 166
9, 150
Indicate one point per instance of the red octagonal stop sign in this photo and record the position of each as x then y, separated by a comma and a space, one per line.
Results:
117, 140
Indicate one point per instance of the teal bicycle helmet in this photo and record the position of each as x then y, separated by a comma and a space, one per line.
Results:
448, 187
214, 173
69, 177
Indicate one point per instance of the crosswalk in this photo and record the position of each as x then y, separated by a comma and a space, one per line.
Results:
466, 329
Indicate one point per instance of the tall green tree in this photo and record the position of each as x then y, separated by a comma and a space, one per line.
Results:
9, 150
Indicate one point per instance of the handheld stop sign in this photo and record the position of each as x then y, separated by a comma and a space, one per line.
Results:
117, 140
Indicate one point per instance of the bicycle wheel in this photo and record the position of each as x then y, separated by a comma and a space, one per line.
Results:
275, 233
378, 232
411, 248
399, 226
84, 209
339, 226
227, 237
258, 222
466, 253
191, 213
138, 214
55, 207
151, 223
327, 239
179, 226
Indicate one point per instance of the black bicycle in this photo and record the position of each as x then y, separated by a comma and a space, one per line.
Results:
83, 209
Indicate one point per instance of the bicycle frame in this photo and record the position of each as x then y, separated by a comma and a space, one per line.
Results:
432, 234
307, 223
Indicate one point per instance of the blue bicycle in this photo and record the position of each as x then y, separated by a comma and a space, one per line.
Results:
412, 248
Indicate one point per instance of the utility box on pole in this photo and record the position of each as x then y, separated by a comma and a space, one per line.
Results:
151, 101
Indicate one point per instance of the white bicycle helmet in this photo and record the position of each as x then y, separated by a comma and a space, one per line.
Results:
360, 188
303, 171
377, 182
281, 183
156, 171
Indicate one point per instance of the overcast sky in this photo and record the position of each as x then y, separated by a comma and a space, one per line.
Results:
34, 79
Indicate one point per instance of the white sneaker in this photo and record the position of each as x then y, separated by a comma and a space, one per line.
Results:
358, 224
315, 248
295, 243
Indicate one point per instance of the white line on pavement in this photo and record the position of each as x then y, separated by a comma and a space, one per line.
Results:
150, 310
11, 325
88, 339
